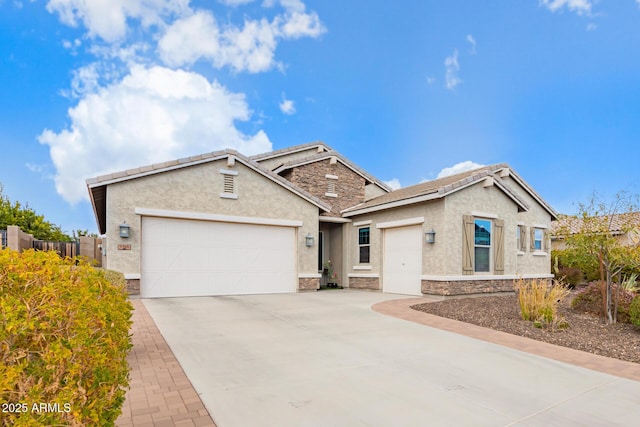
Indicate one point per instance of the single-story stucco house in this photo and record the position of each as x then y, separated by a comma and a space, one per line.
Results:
223, 223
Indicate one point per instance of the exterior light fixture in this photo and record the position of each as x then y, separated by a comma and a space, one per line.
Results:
430, 236
308, 240
124, 230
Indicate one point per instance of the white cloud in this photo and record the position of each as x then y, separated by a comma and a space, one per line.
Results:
287, 106
592, 27
452, 68
431, 80
459, 168
248, 48
152, 115
581, 7
472, 42
107, 19
394, 183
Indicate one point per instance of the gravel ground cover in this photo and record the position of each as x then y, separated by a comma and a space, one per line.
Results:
586, 332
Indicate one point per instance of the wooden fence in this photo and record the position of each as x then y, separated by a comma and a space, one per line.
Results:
64, 249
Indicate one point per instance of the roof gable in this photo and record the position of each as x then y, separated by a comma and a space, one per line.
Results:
334, 155
97, 186
318, 146
439, 188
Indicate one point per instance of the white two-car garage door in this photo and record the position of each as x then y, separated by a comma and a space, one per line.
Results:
182, 257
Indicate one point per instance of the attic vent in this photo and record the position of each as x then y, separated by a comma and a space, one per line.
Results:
331, 186
228, 184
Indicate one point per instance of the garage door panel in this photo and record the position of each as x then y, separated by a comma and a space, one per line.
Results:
402, 265
197, 258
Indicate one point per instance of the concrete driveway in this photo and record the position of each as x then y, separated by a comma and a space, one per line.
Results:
326, 359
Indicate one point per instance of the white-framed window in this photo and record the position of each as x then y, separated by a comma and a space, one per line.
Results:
482, 245
538, 239
364, 245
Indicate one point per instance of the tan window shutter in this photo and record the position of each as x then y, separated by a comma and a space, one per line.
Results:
523, 238
468, 235
545, 236
498, 262
532, 240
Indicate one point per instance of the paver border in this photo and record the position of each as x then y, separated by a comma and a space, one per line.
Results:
401, 309
160, 394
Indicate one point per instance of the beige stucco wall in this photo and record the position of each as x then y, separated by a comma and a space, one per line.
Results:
197, 189
444, 257
433, 218
529, 263
492, 201
372, 190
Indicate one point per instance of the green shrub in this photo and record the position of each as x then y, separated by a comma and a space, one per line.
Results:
539, 302
572, 276
64, 338
592, 300
634, 311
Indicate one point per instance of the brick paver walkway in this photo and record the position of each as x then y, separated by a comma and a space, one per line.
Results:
160, 393
401, 309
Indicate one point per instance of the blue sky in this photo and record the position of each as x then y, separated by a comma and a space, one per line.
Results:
405, 89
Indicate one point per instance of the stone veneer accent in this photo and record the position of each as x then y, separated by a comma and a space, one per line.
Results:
364, 283
133, 286
468, 287
311, 177
308, 284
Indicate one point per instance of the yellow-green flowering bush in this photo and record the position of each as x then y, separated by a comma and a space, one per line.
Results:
64, 338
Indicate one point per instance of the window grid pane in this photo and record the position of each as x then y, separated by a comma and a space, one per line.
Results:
363, 236
482, 246
482, 260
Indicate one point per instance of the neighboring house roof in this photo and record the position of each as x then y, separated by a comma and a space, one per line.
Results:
321, 146
439, 188
339, 157
573, 224
97, 186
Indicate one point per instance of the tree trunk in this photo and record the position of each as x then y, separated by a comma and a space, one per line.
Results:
610, 320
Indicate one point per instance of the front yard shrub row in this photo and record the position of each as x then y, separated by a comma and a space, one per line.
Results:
64, 337
539, 302
592, 300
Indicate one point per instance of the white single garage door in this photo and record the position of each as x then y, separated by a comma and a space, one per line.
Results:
402, 265
196, 258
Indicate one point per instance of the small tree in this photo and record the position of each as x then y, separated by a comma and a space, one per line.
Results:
600, 225
13, 213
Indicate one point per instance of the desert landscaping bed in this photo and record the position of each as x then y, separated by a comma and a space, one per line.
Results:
586, 332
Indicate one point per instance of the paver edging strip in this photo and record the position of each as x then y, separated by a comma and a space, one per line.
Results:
160, 393
401, 309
